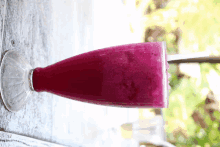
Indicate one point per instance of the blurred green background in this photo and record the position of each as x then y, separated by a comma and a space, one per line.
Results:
188, 26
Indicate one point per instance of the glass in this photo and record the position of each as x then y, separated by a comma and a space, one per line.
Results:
132, 75
150, 131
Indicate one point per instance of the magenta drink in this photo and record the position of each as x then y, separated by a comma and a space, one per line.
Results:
132, 75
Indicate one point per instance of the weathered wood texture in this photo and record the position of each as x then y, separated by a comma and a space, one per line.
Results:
2, 18
27, 30
48, 31
13, 140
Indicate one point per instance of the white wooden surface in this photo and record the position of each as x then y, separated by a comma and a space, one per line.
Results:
13, 140
46, 32
27, 29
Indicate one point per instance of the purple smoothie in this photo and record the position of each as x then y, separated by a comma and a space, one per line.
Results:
129, 75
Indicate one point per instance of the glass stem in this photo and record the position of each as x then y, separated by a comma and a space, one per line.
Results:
30, 77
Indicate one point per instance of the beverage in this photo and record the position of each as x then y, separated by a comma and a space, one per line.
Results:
132, 75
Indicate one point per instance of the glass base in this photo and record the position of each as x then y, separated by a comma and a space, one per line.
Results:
16, 80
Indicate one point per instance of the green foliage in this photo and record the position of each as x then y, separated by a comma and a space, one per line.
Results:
216, 1
211, 133
217, 114
200, 25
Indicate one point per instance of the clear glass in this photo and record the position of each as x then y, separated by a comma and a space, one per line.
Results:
149, 131
130, 75
16, 83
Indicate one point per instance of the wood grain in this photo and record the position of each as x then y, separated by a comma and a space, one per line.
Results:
26, 30
9, 139
46, 32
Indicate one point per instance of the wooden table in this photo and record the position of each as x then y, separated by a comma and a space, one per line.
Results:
45, 32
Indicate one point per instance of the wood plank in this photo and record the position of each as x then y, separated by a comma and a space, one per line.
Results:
2, 18
27, 30
46, 32
9, 139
